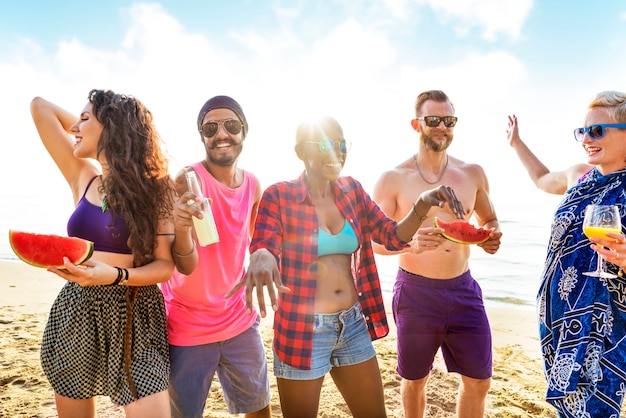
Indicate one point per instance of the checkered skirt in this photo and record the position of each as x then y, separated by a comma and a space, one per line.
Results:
82, 352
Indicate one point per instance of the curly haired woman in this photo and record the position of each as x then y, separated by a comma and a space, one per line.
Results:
106, 333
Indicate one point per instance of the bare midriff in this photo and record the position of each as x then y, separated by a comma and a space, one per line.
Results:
114, 259
448, 261
335, 289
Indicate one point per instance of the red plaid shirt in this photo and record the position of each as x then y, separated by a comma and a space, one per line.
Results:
286, 225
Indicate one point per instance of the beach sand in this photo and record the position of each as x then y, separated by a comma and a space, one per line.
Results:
26, 293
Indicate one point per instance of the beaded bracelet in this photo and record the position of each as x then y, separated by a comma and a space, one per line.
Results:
119, 277
125, 281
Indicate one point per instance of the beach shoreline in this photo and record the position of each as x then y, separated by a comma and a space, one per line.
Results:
517, 389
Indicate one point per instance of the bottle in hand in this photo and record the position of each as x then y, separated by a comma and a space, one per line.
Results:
206, 231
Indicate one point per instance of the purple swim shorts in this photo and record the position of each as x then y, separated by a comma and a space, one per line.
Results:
441, 313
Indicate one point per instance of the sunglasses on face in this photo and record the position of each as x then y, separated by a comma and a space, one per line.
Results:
232, 126
596, 131
327, 145
434, 121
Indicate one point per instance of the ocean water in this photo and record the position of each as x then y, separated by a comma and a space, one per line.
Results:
510, 277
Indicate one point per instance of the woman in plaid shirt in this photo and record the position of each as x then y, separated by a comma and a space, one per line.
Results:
312, 242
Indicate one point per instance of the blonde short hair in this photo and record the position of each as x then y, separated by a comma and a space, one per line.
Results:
614, 102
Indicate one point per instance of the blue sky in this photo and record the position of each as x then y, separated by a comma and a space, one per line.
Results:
362, 62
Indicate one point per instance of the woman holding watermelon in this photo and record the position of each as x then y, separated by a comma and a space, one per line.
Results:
106, 333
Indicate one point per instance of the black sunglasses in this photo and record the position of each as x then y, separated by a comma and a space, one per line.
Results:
596, 131
434, 121
232, 126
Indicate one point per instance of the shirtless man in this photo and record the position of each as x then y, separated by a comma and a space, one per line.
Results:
554, 182
436, 302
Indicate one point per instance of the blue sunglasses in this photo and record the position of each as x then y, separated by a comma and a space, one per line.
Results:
596, 131
327, 145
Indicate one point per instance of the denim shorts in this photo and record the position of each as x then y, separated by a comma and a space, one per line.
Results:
241, 367
339, 339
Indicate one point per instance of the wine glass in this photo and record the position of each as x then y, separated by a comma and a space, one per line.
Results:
600, 219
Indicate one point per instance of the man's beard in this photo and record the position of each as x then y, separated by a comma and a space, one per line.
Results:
224, 160
435, 145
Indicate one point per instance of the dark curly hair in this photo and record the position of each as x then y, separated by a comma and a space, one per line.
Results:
137, 185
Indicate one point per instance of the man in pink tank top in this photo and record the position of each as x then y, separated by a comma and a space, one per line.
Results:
207, 331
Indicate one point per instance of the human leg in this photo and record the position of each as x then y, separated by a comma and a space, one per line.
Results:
299, 389
261, 413
472, 396
340, 340
420, 318
75, 408
424, 324
242, 371
467, 348
299, 398
192, 370
83, 348
413, 395
156, 405
362, 388
355, 367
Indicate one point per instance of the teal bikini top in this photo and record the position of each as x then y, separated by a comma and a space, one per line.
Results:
345, 242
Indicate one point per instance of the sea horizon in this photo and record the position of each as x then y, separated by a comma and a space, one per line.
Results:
510, 277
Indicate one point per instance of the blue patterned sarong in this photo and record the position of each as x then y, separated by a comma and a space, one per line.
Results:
582, 320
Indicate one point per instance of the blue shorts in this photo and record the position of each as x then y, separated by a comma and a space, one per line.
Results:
241, 367
434, 313
339, 339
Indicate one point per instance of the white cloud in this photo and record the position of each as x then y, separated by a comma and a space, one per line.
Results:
355, 71
493, 16
398, 8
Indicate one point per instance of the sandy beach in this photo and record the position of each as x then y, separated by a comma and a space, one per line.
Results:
26, 294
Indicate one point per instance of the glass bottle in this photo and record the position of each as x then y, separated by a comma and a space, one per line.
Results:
206, 231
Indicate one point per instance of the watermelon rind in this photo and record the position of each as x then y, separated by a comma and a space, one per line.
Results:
447, 234
41, 250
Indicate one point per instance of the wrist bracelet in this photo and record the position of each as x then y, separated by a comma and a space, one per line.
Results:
421, 218
125, 281
119, 277
193, 247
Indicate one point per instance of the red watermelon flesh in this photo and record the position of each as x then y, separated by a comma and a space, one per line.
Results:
41, 250
462, 232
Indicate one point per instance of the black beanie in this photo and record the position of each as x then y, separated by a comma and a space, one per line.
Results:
223, 102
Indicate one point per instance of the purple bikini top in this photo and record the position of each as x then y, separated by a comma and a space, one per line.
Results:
90, 223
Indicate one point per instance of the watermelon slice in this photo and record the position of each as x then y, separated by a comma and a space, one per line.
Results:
462, 232
48, 250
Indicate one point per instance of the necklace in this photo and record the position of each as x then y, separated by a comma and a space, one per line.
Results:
424, 178
104, 199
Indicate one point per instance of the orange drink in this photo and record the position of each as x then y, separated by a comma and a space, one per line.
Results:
599, 231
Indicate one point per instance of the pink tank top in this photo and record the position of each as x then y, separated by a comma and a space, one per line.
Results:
197, 312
